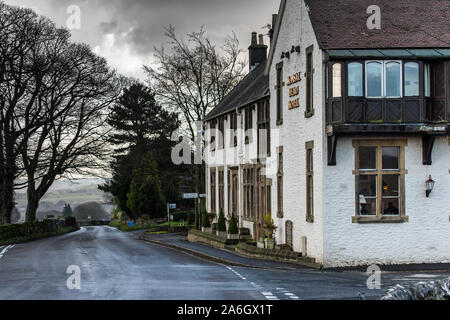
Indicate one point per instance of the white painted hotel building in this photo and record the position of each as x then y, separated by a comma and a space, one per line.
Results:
359, 120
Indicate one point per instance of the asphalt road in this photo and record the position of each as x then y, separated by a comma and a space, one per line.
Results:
118, 266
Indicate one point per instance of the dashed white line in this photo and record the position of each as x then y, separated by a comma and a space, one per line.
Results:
267, 295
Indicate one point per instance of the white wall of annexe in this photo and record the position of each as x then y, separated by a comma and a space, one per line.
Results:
424, 239
296, 30
228, 157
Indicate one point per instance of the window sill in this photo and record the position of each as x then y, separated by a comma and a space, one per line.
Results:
309, 114
310, 220
280, 215
279, 122
366, 220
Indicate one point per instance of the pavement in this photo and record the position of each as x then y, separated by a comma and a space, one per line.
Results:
119, 266
225, 256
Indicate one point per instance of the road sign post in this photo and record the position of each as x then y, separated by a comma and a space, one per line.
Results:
198, 197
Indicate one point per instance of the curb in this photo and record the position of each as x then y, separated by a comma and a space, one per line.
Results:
221, 260
199, 254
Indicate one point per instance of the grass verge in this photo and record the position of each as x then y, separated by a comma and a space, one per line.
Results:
163, 227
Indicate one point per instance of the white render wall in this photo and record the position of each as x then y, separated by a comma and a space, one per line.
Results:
296, 130
424, 239
229, 157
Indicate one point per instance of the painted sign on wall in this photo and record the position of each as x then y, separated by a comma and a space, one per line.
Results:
294, 91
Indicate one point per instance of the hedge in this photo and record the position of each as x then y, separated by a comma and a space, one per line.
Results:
28, 229
183, 215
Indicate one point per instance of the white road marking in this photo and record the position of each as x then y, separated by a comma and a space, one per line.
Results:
267, 295
423, 276
5, 250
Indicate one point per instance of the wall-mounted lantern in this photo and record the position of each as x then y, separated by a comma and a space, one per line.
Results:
430, 185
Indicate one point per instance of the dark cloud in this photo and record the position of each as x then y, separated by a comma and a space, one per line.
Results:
139, 25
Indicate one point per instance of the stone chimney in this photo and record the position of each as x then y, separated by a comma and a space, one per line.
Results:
257, 51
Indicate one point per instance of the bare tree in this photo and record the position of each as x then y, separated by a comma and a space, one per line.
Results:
194, 76
72, 140
22, 35
54, 99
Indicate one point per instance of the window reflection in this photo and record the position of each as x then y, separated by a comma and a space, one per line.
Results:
411, 79
367, 158
393, 79
355, 79
374, 79
391, 158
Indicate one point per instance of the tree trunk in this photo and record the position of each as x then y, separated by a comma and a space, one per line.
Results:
32, 205
8, 188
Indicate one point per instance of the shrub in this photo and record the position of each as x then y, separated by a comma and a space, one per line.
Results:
269, 226
183, 215
29, 229
233, 227
205, 220
244, 231
221, 226
71, 221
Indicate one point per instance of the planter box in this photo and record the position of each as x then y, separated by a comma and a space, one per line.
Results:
233, 236
269, 243
221, 234
206, 230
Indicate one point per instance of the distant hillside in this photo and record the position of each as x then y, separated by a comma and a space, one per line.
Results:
63, 192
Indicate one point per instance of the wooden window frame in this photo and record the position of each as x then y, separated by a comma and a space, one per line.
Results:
404, 63
249, 192
334, 78
213, 190
248, 127
213, 135
384, 63
221, 140
379, 172
233, 128
221, 184
280, 176
229, 174
309, 146
263, 123
309, 112
279, 93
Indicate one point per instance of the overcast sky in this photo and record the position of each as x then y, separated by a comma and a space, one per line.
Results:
125, 31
